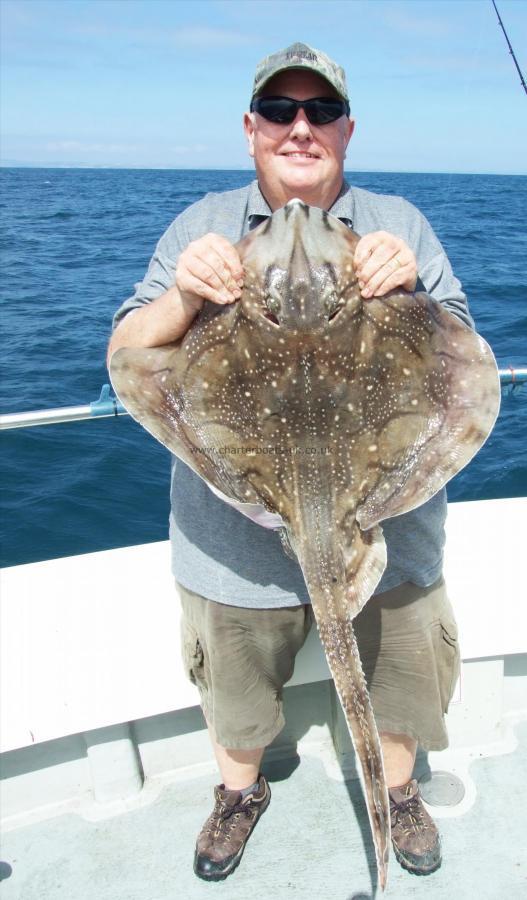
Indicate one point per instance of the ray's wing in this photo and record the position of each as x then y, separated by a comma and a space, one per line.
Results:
439, 398
185, 395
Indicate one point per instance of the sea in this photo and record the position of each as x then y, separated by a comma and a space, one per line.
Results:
74, 242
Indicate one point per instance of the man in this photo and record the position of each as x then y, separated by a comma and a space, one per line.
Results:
246, 611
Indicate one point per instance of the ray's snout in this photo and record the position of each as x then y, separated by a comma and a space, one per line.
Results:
296, 207
308, 271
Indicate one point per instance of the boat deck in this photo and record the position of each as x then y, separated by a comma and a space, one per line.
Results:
313, 841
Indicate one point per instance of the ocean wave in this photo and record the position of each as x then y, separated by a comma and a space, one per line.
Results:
62, 215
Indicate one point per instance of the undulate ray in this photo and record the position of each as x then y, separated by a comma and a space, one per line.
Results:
336, 413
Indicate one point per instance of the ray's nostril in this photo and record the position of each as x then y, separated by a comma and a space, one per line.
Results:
272, 306
334, 313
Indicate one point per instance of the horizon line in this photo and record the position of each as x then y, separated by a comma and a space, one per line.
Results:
137, 168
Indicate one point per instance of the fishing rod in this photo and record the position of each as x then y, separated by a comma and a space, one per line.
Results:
522, 79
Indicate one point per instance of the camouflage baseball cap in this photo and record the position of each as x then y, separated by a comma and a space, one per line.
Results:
300, 56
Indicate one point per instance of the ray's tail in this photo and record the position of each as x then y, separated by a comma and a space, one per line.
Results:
340, 645
340, 581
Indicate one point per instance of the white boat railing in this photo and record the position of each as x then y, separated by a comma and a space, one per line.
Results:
108, 406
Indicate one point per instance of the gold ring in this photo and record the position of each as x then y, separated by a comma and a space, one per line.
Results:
397, 261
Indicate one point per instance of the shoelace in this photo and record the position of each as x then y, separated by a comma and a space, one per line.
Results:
224, 813
409, 808
238, 808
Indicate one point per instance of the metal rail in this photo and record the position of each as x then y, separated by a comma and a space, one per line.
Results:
105, 407
512, 376
108, 406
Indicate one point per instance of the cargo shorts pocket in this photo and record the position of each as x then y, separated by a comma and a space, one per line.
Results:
193, 657
447, 658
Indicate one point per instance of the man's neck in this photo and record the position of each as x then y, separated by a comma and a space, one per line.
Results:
324, 199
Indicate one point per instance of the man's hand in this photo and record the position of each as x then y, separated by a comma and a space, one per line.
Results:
382, 263
209, 269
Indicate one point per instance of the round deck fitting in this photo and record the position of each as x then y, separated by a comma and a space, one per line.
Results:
441, 788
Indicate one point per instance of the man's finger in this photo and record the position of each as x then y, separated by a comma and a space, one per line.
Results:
228, 253
380, 258
211, 268
386, 273
365, 248
395, 281
200, 271
199, 288
385, 281
214, 256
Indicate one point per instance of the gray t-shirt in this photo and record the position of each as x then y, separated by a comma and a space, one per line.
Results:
218, 552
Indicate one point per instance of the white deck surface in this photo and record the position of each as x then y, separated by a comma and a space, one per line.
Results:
312, 842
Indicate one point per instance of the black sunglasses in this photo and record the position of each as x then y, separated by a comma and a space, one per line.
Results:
283, 110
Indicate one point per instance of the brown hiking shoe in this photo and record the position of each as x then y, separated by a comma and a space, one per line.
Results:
415, 837
222, 839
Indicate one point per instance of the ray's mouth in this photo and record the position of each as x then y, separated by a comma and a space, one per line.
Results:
275, 321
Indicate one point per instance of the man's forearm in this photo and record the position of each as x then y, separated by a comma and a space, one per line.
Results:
164, 320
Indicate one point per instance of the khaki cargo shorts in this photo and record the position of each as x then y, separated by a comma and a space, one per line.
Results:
241, 658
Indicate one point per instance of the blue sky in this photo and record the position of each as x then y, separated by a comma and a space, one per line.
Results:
164, 83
